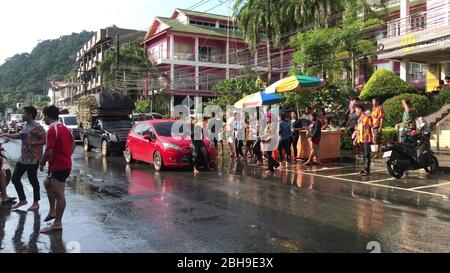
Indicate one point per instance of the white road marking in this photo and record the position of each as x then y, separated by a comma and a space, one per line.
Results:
330, 169
372, 184
431, 186
350, 174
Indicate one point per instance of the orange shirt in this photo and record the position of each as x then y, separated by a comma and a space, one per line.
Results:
377, 115
364, 129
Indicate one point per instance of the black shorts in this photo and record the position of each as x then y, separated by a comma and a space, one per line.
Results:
60, 176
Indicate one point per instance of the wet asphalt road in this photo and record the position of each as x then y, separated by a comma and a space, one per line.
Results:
112, 207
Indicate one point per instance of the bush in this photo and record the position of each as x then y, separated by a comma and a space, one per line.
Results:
389, 134
142, 106
385, 84
441, 99
346, 141
393, 108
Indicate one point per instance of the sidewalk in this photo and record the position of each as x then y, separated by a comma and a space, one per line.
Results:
444, 160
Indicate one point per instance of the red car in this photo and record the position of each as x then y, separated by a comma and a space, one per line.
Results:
151, 141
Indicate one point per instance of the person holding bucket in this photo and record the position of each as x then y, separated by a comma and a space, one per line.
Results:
377, 125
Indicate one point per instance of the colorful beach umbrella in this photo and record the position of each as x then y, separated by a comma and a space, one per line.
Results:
297, 82
258, 99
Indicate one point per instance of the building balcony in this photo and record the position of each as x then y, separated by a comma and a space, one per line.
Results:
218, 59
184, 56
419, 33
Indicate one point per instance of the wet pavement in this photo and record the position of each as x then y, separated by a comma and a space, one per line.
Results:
112, 207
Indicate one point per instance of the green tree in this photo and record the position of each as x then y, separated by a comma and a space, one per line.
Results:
315, 49
142, 106
264, 20
228, 92
29, 73
130, 72
385, 84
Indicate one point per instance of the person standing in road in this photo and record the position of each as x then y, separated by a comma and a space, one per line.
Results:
315, 136
285, 133
199, 153
377, 120
239, 136
60, 146
33, 140
296, 126
267, 146
364, 136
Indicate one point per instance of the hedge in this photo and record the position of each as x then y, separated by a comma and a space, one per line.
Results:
393, 108
385, 84
389, 134
441, 99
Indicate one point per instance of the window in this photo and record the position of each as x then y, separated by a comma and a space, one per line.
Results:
141, 128
210, 54
417, 71
201, 23
164, 129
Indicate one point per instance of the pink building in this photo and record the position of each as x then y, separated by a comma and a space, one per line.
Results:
193, 51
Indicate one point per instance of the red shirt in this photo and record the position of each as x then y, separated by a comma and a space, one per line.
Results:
60, 139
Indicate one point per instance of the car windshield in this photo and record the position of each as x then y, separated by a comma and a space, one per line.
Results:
70, 121
164, 129
116, 124
157, 116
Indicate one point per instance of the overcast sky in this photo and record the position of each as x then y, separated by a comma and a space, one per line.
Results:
23, 23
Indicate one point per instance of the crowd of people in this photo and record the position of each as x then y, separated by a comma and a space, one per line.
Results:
39, 149
244, 138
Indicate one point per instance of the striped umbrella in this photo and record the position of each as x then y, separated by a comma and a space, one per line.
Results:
258, 99
298, 82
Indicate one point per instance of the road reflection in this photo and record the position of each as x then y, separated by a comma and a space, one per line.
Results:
19, 243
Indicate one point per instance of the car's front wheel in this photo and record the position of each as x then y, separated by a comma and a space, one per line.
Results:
128, 156
158, 161
105, 149
87, 147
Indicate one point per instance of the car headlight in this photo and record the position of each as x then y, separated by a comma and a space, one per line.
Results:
113, 138
172, 146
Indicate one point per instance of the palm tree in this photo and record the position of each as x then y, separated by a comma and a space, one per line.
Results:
263, 20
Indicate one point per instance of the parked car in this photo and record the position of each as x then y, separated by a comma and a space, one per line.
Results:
70, 121
143, 117
152, 142
105, 121
108, 134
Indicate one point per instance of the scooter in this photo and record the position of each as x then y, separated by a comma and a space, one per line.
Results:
414, 154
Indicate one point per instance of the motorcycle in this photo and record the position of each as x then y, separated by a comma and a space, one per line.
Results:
414, 154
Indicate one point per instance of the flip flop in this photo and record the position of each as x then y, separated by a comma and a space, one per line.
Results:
51, 229
49, 218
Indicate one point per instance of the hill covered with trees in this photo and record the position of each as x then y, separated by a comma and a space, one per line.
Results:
27, 73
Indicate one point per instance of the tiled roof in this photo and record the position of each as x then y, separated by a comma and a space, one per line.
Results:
204, 14
176, 25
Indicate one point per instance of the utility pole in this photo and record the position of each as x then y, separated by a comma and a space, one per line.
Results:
117, 61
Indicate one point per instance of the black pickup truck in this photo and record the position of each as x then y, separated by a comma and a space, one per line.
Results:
106, 123
109, 134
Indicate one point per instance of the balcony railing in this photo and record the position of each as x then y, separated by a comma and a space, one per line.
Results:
417, 22
184, 56
206, 58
